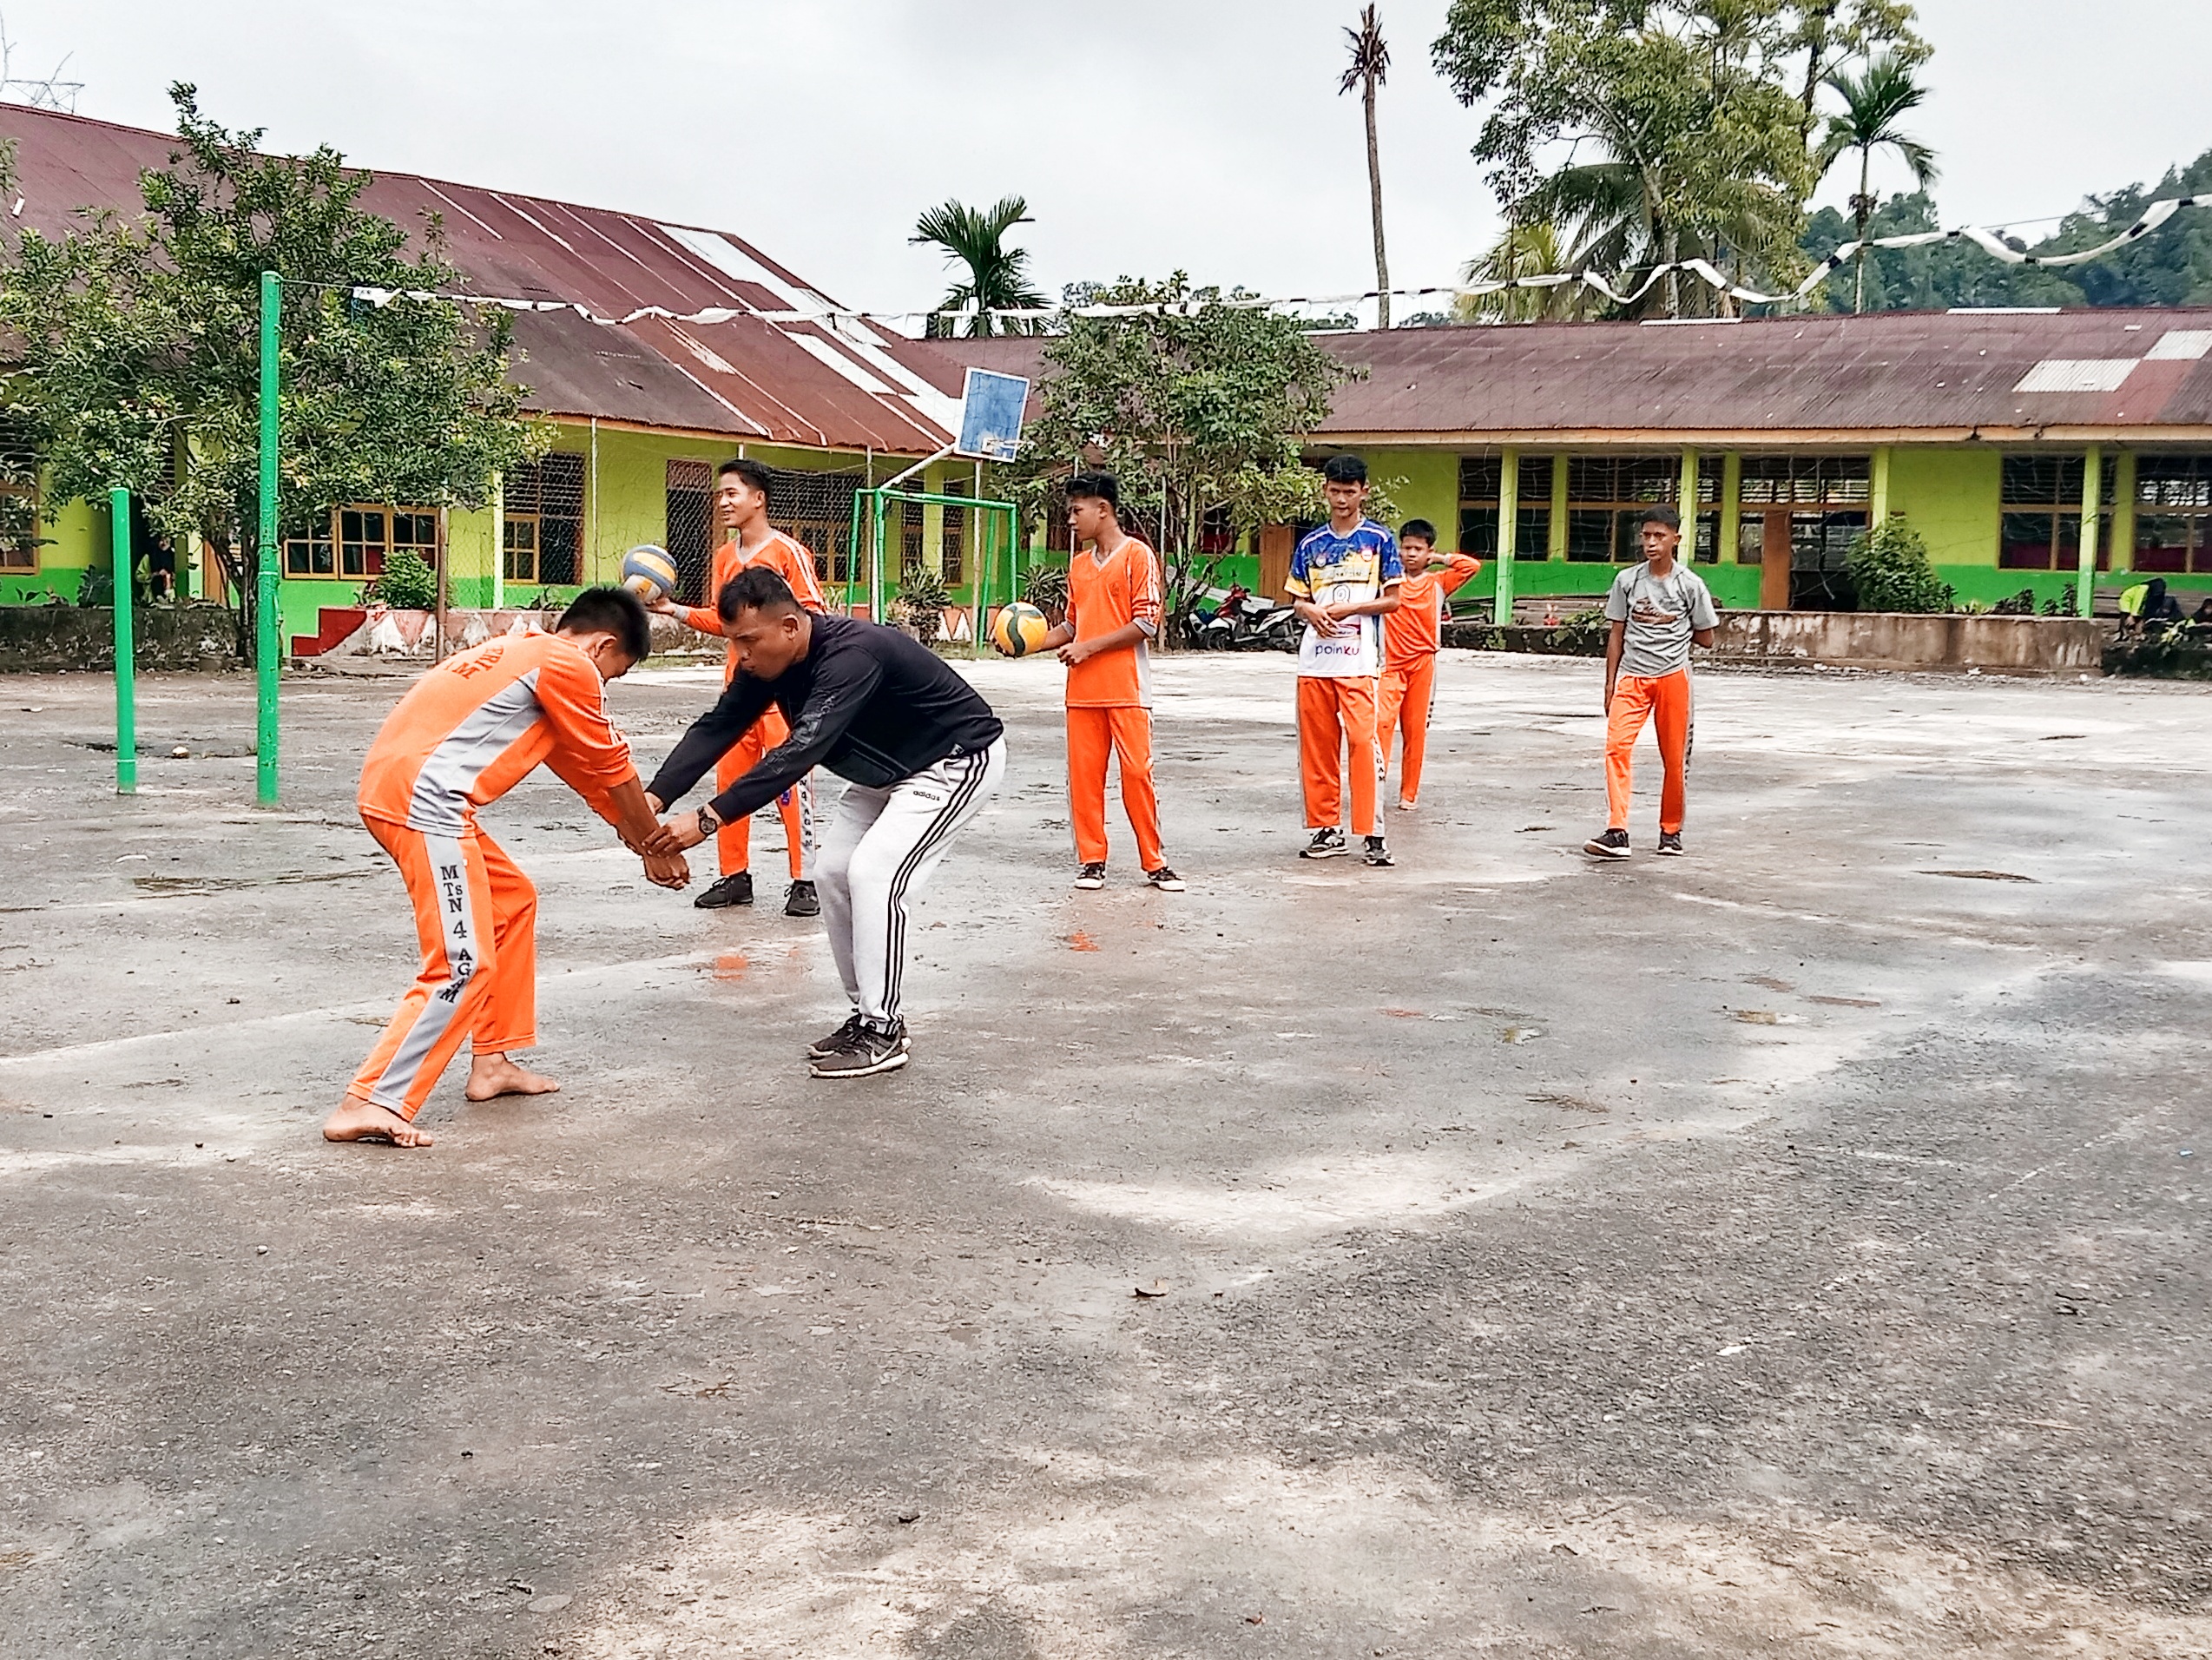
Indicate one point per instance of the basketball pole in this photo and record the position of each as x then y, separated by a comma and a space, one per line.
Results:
125, 648
265, 619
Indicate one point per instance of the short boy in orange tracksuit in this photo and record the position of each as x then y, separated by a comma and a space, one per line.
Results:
1344, 576
741, 506
1412, 634
1113, 611
465, 735
1658, 609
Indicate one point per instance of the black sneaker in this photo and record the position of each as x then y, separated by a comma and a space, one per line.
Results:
1614, 844
870, 1050
731, 890
823, 1047
1328, 843
1670, 843
802, 900
1091, 876
1165, 879
1378, 854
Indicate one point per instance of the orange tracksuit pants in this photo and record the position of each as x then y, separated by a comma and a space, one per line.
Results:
1336, 716
734, 841
1408, 699
1664, 701
1124, 732
476, 915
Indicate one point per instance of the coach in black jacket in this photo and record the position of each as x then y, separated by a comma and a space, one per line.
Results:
919, 748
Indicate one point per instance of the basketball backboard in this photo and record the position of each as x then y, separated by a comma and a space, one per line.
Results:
990, 416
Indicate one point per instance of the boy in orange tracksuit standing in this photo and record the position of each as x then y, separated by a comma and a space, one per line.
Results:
1412, 634
1343, 577
1658, 610
465, 735
741, 506
1114, 610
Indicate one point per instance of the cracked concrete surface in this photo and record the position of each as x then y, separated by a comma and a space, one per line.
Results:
1795, 1249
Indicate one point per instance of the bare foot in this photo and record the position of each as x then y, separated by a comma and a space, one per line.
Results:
495, 1075
357, 1121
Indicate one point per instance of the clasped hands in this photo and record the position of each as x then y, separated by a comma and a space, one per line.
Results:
1332, 620
671, 837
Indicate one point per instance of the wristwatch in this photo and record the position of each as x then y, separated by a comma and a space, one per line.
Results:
709, 822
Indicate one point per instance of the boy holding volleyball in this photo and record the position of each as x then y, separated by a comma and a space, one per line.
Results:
742, 506
920, 751
1113, 612
465, 735
1658, 609
1412, 634
1344, 576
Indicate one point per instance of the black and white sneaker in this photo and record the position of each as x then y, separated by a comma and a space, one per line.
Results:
1614, 844
731, 890
1378, 854
1328, 843
1091, 876
1165, 879
823, 1047
871, 1050
1670, 843
802, 900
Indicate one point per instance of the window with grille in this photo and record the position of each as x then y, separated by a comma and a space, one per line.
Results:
19, 540
356, 540
910, 538
2173, 513
1607, 496
542, 541
955, 545
687, 531
2040, 526
1825, 500
1482, 484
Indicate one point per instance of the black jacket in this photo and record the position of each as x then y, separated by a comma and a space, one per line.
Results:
868, 702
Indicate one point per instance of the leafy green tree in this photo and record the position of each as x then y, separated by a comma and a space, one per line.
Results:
997, 275
141, 351
1199, 406
1653, 131
1874, 103
1889, 571
1369, 68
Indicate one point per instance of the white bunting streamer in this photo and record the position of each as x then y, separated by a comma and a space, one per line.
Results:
1989, 241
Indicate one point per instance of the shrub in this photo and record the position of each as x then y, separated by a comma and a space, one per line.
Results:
407, 582
922, 600
1889, 571
1046, 588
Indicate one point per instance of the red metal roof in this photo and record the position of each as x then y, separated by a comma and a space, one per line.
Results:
2137, 375
829, 383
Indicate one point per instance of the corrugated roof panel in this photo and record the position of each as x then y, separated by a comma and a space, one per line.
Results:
2076, 374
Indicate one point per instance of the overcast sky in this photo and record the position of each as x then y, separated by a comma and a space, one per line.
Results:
1147, 135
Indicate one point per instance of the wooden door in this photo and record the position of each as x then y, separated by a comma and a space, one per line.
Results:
1774, 563
1275, 542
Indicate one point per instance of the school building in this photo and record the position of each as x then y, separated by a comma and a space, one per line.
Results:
642, 413
2002, 437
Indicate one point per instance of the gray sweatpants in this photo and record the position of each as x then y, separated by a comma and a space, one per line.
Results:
881, 847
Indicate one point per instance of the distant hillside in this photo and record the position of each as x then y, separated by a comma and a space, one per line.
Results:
2170, 266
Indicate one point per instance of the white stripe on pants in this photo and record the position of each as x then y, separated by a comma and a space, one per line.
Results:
881, 847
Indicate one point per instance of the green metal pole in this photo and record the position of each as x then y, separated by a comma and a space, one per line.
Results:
875, 566
126, 649
265, 605
2092, 499
1509, 525
853, 549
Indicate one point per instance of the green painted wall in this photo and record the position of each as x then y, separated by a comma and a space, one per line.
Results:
79, 537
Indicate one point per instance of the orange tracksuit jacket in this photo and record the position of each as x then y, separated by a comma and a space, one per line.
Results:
465, 735
1109, 699
734, 842
1412, 634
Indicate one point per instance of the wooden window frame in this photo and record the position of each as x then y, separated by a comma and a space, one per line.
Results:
19, 557
2167, 492
2023, 497
1482, 481
333, 542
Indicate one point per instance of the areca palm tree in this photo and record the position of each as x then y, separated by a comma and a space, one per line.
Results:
997, 275
1525, 250
1873, 104
1369, 68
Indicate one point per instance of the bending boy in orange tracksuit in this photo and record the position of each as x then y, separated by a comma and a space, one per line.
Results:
465, 735
1412, 634
741, 503
1114, 609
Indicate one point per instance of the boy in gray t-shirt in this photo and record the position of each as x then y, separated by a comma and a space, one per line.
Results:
1658, 609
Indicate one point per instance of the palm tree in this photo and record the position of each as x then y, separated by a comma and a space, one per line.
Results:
997, 275
1524, 250
1872, 102
1370, 68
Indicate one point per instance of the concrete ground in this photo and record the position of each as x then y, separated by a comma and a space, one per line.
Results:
1795, 1249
